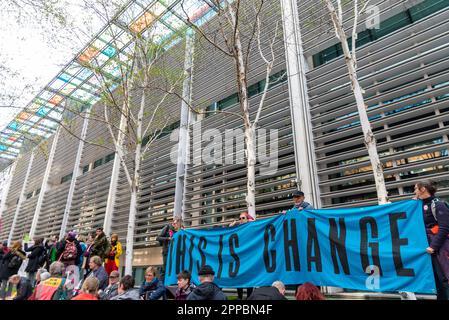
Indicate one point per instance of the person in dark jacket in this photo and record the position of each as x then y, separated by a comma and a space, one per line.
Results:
184, 285
70, 239
10, 265
207, 290
152, 288
3, 250
100, 245
275, 292
164, 239
436, 220
36, 259
23, 287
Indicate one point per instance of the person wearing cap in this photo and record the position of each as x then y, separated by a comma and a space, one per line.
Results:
165, 236
207, 290
299, 203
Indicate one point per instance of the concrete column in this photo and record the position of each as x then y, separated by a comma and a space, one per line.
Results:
77, 171
45, 184
6, 188
184, 138
22, 198
299, 104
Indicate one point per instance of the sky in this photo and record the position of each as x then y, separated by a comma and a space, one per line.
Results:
34, 51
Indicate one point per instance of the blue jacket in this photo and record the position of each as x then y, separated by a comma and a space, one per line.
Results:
102, 277
153, 290
302, 206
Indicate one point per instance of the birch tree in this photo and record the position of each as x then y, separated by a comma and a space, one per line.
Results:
241, 31
350, 57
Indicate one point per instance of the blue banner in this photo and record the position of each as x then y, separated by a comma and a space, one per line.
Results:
376, 248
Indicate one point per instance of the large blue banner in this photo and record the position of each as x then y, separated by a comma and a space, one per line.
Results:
379, 248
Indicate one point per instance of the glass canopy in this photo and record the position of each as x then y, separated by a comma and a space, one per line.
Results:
77, 83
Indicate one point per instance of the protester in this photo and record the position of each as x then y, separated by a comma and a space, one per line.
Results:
164, 239
11, 263
275, 292
243, 218
41, 275
89, 290
70, 250
98, 271
87, 254
3, 250
112, 289
436, 220
83, 247
53, 246
308, 291
23, 287
184, 285
126, 290
207, 290
152, 288
36, 258
54, 287
112, 262
101, 245
299, 203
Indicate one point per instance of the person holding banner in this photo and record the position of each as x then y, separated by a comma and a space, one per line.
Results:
299, 203
164, 239
244, 218
436, 220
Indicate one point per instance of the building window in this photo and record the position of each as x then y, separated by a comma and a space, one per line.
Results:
98, 163
67, 178
109, 157
85, 168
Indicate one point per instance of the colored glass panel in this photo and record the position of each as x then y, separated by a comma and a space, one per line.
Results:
143, 22
88, 54
56, 99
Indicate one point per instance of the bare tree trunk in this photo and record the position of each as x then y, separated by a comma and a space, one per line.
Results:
250, 135
244, 103
351, 63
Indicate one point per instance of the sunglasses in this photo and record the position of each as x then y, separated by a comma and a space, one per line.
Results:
242, 218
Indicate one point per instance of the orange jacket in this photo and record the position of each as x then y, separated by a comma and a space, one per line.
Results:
84, 296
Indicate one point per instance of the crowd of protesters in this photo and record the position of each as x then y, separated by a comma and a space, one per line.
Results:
74, 268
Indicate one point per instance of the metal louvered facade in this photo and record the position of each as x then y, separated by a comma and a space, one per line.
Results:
404, 75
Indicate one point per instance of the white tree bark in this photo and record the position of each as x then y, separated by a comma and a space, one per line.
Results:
351, 63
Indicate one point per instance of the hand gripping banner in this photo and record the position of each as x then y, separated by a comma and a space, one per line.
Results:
376, 248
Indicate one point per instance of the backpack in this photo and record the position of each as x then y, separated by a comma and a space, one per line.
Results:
42, 259
433, 207
15, 262
70, 251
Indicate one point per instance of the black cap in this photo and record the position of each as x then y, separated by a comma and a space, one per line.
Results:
297, 193
206, 270
5, 243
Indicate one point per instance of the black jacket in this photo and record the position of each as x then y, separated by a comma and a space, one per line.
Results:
164, 238
442, 213
37, 251
6, 270
266, 293
24, 289
207, 291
